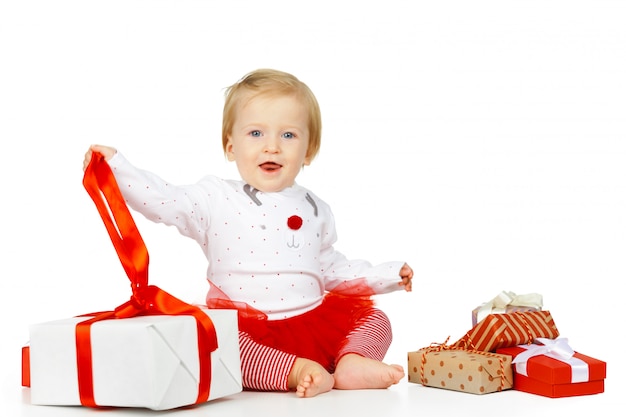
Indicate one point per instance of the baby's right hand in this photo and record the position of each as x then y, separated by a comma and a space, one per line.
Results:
106, 151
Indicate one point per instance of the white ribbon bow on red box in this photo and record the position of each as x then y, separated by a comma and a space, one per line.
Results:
558, 349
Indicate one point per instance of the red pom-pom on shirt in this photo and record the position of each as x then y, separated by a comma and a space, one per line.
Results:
294, 222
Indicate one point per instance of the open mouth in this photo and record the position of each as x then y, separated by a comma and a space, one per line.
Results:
270, 166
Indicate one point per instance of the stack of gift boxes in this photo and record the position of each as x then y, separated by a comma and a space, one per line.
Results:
513, 344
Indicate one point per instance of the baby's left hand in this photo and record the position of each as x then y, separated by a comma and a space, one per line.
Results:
406, 273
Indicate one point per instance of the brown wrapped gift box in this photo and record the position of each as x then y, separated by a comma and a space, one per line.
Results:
461, 370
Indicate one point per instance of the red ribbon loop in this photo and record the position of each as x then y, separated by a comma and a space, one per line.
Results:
146, 299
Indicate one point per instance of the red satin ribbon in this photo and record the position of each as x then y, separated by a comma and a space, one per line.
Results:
146, 299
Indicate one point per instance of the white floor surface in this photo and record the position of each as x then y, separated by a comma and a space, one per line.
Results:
404, 399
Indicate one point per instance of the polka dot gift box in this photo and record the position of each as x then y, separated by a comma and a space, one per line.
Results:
461, 370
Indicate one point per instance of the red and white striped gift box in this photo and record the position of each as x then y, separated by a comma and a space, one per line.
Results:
504, 330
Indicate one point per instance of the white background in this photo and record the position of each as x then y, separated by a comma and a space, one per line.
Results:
483, 142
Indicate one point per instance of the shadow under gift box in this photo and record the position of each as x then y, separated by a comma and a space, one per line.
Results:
552, 377
146, 361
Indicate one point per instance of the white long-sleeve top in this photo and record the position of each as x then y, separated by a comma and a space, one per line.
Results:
273, 251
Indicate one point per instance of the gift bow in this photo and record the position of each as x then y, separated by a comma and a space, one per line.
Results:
146, 299
507, 298
558, 349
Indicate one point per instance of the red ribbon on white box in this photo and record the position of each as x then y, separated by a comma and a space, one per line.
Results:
146, 300
558, 349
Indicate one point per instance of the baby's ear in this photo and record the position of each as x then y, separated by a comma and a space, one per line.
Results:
230, 154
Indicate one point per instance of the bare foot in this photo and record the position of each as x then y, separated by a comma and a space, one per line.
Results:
309, 378
356, 372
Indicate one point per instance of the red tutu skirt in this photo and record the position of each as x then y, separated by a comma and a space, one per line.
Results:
318, 335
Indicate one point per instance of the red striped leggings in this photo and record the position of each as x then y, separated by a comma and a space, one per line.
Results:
265, 368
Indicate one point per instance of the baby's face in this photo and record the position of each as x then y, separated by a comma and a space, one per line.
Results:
269, 141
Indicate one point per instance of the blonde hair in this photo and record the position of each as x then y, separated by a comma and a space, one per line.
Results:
274, 83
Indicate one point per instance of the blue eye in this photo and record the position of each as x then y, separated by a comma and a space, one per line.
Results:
288, 135
255, 133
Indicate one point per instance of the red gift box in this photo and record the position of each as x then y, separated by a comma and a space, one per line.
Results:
553, 374
26, 366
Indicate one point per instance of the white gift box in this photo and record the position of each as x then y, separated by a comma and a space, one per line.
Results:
146, 361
